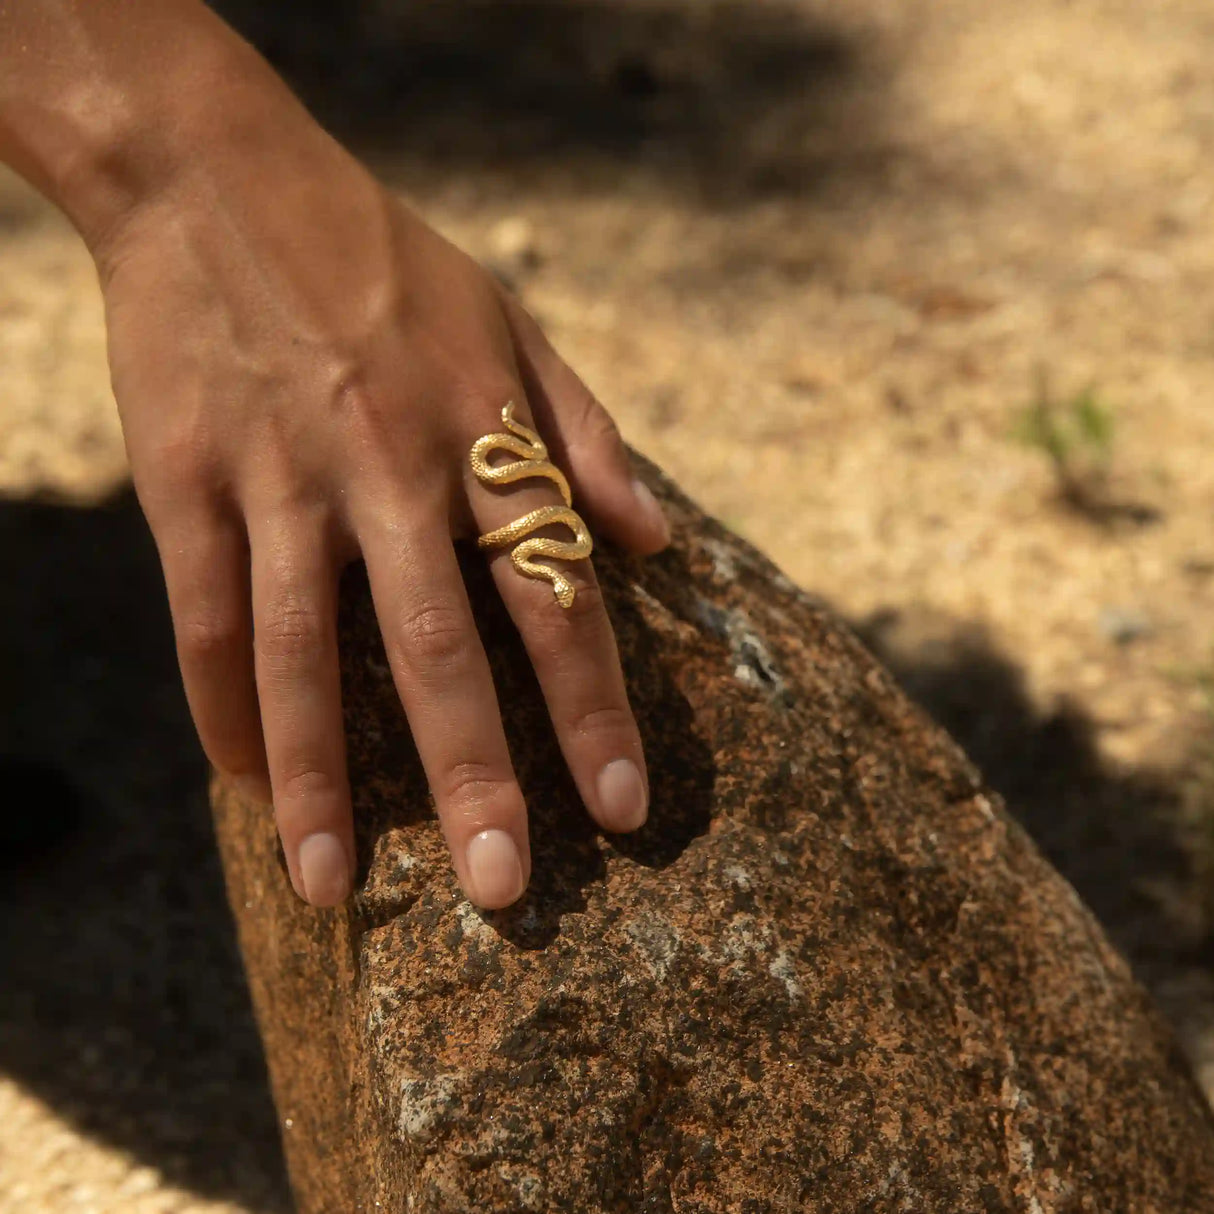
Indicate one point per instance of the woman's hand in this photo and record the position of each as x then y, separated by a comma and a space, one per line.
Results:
302, 366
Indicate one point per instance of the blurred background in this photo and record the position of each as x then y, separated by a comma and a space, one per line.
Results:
917, 296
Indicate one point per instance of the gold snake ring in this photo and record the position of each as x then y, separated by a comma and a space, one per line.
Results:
533, 461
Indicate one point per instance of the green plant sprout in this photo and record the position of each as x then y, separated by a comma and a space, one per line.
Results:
1076, 435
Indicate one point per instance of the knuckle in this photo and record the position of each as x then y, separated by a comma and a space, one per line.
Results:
290, 628
484, 393
434, 634
606, 719
184, 455
361, 405
178, 470
471, 784
202, 639
307, 781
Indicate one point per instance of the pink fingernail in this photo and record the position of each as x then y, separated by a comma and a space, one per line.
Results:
324, 869
495, 870
622, 799
652, 509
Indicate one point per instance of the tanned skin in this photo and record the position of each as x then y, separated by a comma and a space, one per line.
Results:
301, 365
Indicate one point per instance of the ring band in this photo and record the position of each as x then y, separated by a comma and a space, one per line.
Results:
533, 461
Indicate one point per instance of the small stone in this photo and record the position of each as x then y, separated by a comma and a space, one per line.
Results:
513, 246
1124, 626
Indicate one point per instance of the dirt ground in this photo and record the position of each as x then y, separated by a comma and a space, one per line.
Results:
817, 257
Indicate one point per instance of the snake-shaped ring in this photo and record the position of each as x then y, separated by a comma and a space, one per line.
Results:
533, 461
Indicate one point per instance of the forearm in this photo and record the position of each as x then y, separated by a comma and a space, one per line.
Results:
106, 104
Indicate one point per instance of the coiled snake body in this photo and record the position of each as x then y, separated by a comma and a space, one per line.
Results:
533, 461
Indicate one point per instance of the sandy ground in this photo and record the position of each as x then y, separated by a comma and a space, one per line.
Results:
815, 257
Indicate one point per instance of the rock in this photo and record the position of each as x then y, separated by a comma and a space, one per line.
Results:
831, 974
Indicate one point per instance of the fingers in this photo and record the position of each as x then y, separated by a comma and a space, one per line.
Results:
442, 676
576, 660
207, 575
584, 440
294, 587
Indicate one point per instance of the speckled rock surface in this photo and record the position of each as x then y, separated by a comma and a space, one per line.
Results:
829, 975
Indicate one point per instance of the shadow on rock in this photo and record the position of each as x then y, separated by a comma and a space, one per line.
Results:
681, 786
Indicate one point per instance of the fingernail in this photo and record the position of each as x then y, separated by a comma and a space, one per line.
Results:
495, 871
622, 799
324, 869
651, 508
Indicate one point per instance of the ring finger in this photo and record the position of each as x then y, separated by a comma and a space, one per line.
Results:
572, 648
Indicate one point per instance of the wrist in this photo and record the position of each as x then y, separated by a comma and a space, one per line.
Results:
225, 104
111, 142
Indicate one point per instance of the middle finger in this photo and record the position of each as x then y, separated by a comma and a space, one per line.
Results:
445, 685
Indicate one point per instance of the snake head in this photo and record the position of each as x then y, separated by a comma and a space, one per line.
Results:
565, 593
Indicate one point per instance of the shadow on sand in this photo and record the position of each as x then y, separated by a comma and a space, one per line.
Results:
723, 100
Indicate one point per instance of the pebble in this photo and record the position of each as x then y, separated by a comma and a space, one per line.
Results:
1124, 626
513, 244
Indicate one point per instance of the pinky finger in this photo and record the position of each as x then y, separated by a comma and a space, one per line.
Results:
206, 572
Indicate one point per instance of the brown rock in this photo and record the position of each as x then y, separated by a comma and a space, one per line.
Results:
829, 975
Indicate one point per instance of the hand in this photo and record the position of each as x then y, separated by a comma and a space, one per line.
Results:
302, 366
